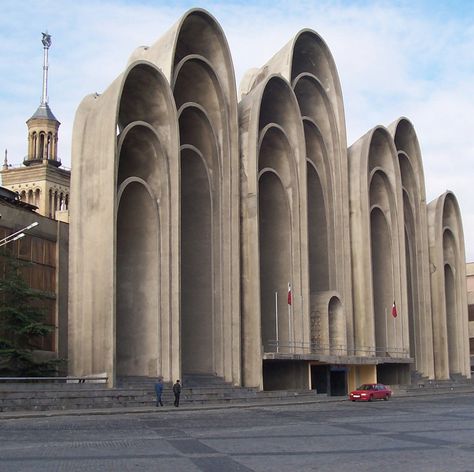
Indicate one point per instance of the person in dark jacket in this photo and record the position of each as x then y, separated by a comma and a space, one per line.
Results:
177, 393
159, 391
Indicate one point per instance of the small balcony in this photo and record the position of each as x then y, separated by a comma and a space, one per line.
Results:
53, 162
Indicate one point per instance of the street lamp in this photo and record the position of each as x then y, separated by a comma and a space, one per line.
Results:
17, 234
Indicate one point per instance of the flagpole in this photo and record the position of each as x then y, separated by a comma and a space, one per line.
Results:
289, 328
276, 322
403, 344
289, 301
395, 330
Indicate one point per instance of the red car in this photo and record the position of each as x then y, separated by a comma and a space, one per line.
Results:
369, 392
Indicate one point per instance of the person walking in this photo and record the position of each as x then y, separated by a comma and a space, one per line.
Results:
177, 393
159, 391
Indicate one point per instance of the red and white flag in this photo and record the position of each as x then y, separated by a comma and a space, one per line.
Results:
394, 310
289, 294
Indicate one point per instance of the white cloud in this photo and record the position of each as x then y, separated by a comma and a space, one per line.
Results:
405, 58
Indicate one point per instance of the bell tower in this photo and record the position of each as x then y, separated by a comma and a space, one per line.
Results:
40, 181
43, 126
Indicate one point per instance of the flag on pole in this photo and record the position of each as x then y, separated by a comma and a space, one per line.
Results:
394, 310
289, 294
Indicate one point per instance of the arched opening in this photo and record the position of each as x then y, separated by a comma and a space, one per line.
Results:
197, 283
317, 234
337, 332
411, 272
418, 303
203, 87
196, 71
451, 311
50, 203
41, 146
411, 294
314, 103
49, 146
275, 258
201, 35
382, 279
144, 98
37, 197
137, 280
452, 301
199, 82
34, 146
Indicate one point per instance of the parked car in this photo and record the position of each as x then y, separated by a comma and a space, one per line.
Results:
369, 392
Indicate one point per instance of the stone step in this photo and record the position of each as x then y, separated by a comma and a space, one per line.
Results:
63, 396
439, 386
189, 380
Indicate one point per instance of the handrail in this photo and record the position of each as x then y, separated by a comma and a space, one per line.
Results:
17, 166
80, 379
299, 347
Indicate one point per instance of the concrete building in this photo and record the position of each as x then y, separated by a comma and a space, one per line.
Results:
245, 240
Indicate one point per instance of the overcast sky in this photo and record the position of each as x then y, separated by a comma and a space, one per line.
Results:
407, 58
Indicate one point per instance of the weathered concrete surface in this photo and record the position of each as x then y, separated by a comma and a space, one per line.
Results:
192, 216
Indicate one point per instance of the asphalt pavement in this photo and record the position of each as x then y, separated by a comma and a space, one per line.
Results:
426, 431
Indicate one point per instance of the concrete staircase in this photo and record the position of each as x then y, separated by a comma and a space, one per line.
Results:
200, 389
63, 396
134, 392
457, 384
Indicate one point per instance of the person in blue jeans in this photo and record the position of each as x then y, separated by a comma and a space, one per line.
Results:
159, 391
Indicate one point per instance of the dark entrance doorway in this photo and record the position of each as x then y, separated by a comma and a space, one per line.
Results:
331, 380
338, 381
393, 374
319, 378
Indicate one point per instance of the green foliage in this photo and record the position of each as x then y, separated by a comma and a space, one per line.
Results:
22, 323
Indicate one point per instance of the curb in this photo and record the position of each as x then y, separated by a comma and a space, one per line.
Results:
140, 410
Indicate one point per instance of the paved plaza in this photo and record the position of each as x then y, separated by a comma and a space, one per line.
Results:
423, 433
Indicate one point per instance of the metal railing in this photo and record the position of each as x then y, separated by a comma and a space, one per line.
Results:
18, 166
309, 348
73, 379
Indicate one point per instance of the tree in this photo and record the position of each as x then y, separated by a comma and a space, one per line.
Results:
22, 323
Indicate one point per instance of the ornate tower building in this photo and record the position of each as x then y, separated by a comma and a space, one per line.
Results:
41, 181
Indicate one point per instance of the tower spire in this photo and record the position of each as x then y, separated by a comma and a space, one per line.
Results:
43, 125
46, 45
5, 161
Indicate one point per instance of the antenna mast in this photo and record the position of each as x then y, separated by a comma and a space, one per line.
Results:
46, 45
